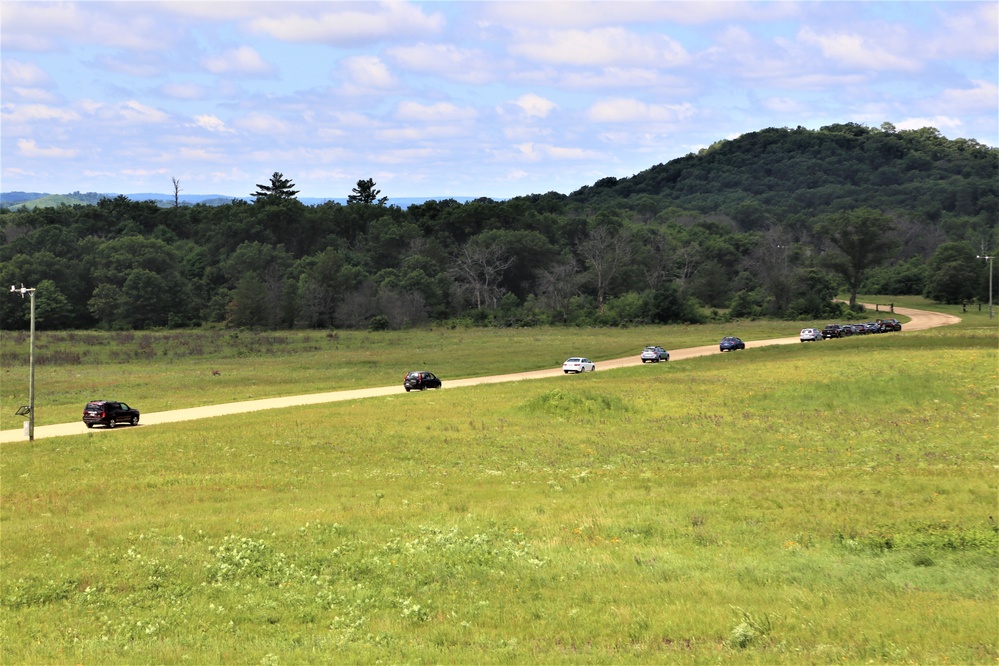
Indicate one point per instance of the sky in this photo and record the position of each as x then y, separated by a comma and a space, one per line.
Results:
454, 99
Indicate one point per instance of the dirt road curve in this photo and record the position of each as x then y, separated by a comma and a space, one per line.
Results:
921, 320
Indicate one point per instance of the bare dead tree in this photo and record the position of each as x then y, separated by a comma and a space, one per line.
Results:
357, 306
401, 308
317, 305
658, 264
176, 192
557, 286
478, 268
769, 261
605, 253
687, 261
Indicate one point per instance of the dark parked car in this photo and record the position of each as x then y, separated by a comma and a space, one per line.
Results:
832, 331
420, 380
109, 413
890, 324
730, 343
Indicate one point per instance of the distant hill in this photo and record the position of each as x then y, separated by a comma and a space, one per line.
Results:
792, 172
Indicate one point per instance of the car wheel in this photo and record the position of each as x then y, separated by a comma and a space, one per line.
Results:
90, 425
112, 423
566, 371
135, 420
407, 389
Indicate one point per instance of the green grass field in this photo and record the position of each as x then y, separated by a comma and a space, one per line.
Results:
822, 503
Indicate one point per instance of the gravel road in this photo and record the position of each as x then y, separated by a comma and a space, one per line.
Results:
921, 320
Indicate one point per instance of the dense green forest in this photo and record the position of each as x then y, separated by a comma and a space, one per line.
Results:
774, 223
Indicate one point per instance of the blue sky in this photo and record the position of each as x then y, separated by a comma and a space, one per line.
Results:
441, 99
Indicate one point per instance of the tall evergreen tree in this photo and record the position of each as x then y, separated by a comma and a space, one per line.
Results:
280, 189
366, 193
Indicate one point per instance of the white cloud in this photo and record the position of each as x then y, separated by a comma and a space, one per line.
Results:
408, 155
13, 113
534, 106
144, 173
625, 110
29, 148
602, 46
787, 105
27, 74
856, 50
368, 73
261, 123
973, 34
982, 97
211, 123
35, 95
535, 152
242, 60
617, 77
586, 14
390, 20
49, 26
138, 112
188, 91
445, 60
421, 133
439, 112
936, 122
200, 154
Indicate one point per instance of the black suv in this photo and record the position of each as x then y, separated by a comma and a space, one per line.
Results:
832, 331
109, 413
890, 324
420, 380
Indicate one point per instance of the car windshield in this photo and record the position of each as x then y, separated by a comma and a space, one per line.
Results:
573, 360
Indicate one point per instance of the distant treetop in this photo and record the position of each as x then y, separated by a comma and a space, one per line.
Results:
279, 189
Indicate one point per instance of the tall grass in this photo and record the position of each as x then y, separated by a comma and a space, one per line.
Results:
815, 503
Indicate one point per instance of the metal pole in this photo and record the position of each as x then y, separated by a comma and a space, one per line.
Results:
31, 373
990, 286
31, 360
989, 259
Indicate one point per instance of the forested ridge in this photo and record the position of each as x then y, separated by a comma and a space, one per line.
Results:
773, 223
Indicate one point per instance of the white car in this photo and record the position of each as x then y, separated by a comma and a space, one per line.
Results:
578, 364
811, 335
654, 354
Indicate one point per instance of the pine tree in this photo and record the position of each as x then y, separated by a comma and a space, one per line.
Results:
280, 189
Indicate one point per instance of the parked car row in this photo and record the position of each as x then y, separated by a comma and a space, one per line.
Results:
110, 413
871, 327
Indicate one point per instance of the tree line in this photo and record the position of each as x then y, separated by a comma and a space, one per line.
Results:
773, 224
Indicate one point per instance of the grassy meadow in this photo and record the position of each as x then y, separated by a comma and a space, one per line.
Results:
818, 503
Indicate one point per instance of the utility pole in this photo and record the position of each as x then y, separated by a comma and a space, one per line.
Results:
989, 259
31, 362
